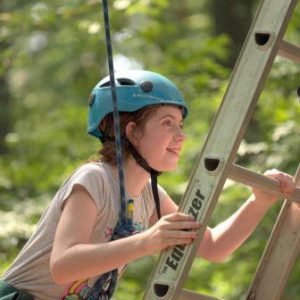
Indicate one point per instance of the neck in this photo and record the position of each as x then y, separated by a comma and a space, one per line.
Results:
135, 177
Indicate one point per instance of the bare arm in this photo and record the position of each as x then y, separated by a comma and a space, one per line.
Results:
226, 237
72, 241
220, 242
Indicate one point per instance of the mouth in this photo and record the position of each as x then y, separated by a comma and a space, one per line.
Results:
175, 151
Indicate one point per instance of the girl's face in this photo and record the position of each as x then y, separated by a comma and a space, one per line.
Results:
160, 141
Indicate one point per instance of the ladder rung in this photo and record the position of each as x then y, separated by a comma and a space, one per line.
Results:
188, 295
289, 51
247, 177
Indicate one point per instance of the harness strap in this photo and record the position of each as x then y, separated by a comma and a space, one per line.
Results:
9, 292
154, 175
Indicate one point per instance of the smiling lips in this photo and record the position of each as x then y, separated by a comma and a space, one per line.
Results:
175, 151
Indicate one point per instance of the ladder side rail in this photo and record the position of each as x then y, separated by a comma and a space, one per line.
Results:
221, 145
279, 255
189, 295
250, 178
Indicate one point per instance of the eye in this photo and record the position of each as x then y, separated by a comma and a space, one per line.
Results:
167, 122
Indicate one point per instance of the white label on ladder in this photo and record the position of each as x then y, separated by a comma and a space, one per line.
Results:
197, 208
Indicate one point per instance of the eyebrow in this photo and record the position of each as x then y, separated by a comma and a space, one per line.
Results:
170, 116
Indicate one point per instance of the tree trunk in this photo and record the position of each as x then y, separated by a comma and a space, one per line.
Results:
232, 17
5, 114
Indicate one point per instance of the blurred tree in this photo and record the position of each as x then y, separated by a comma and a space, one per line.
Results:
5, 118
233, 18
5, 99
54, 53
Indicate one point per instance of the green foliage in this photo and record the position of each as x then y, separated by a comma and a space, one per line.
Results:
53, 56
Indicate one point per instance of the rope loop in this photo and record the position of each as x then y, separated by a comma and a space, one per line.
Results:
107, 282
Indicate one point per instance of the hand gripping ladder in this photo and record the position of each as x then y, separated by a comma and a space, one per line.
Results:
216, 163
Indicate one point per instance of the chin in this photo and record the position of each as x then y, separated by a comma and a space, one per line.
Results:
165, 165
169, 167
172, 169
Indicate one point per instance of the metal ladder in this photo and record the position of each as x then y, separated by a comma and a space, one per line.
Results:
216, 163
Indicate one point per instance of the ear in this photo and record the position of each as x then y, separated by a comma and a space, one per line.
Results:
131, 133
101, 126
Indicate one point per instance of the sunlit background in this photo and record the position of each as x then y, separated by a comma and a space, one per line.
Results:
53, 53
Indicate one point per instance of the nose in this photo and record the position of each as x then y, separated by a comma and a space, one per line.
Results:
180, 135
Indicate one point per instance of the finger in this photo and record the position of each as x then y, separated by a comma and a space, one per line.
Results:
287, 184
176, 242
275, 174
272, 173
286, 181
179, 225
180, 234
184, 225
179, 216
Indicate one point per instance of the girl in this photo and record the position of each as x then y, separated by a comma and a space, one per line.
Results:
72, 246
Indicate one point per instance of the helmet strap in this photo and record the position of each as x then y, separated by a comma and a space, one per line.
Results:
143, 163
153, 173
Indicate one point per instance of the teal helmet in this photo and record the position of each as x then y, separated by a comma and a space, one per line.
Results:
135, 89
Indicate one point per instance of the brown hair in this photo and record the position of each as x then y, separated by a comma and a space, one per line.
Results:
139, 117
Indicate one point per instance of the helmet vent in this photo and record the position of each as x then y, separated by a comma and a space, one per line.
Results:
126, 81
107, 83
121, 81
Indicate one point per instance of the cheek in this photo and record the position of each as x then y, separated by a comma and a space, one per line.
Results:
158, 141
150, 147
